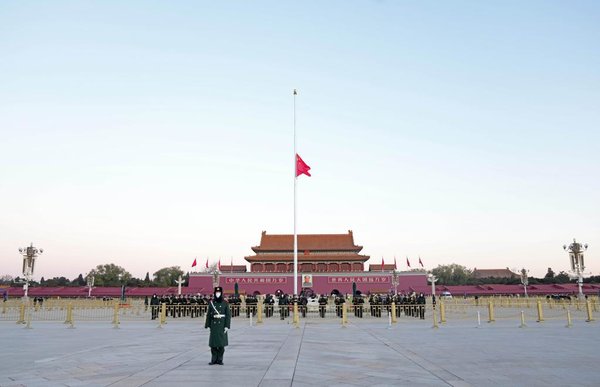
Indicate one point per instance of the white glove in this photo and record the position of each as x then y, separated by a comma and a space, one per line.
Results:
226, 329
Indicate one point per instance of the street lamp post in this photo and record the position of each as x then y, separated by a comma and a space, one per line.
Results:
29, 254
395, 281
179, 282
90, 285
433, 279
576, 251
121, 277
524, 280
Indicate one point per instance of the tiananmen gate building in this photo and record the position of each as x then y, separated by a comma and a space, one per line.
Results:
326, 263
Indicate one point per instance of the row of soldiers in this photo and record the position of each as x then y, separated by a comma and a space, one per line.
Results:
409, 304
179, 306
195, 306
412, 305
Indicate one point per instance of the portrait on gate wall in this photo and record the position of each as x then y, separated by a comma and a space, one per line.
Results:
307, 281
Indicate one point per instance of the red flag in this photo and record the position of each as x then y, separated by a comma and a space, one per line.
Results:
407, 262
301, 167
207, 263
382, 263
194, 263
421, 262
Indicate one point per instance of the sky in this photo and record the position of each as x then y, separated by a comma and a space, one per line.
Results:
148, 133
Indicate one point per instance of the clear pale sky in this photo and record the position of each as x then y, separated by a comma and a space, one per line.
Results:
147, 133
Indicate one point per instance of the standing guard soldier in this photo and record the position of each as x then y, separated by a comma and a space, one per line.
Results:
303, 305
378, 303
339, 302
269, 302
283, 306
154, 306
322, 305
218, 319
358, 302
203, 302
421, 304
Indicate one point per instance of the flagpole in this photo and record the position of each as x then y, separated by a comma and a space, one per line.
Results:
295, 234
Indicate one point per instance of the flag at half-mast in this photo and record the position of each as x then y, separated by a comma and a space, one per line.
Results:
194, 263
206, 263
421, 262
301, 167
407, 262
382, 263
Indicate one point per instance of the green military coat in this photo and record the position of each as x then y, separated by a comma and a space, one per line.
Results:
218, 337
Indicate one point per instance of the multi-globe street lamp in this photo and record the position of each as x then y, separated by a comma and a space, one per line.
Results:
395, 281
576, 251
433, 279
29, 254
90, 284
524, 280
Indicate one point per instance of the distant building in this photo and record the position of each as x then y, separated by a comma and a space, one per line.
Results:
233, 269
386, 267
496, 273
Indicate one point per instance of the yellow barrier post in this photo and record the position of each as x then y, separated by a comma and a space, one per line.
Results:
116, 317
442, 312
163, 315
21, 319
540, 311
69, 319
435, 323
569, 323
29, 310
588, 307
344, 315
296, 316
259, 313
523, 325
394, 320
491, 312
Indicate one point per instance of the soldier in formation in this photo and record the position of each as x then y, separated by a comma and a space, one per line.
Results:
322, 305
269, 305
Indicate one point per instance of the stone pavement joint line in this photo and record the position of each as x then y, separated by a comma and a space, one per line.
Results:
439, 372
275, 354
280, 371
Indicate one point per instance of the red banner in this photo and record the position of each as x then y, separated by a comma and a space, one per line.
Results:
257, 280
358, 280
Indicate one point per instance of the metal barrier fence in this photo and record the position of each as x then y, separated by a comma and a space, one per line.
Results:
489, 309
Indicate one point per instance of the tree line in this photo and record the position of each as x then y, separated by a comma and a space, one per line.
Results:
114, 275
109, 275
455, 274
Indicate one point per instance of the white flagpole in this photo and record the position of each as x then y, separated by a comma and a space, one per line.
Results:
295, 234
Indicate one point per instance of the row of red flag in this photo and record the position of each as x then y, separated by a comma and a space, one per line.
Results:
206, 265
407, 262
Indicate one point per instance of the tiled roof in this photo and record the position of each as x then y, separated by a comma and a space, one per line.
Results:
377, 267
496, 273
234, 268
307, 258
307, 242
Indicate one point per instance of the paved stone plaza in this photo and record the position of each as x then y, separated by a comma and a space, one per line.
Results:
316, 354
